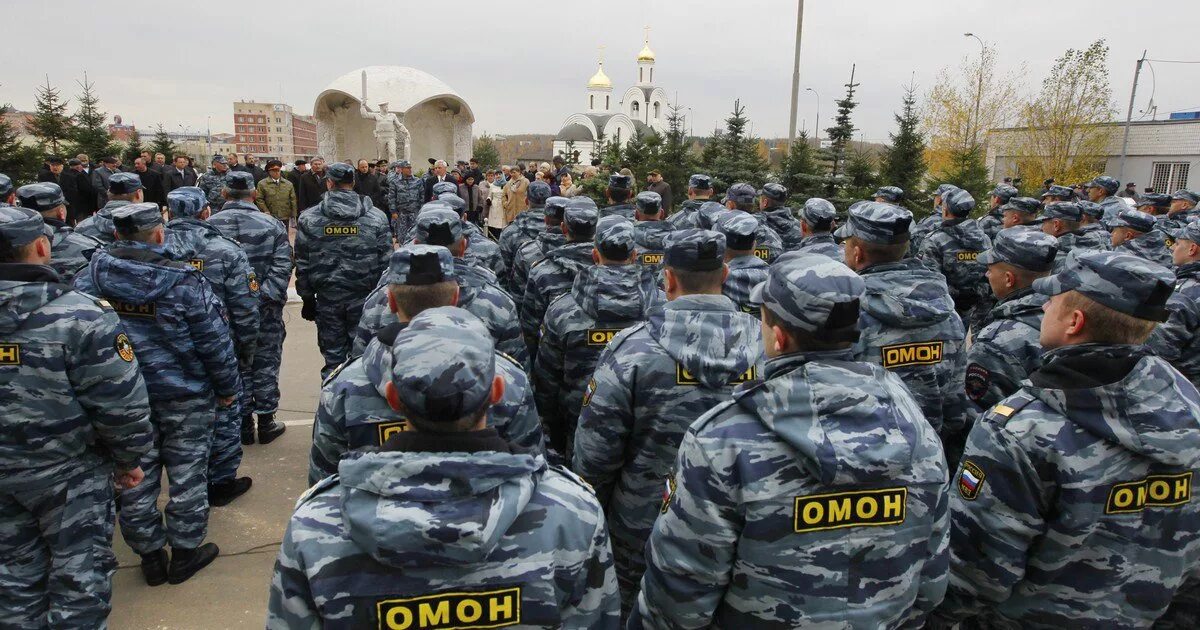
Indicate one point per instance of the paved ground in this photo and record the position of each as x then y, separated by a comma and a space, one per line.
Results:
232, 592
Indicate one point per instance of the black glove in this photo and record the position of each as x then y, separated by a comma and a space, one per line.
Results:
309, 310
245, 357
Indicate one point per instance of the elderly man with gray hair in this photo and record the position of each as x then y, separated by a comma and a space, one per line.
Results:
436, 174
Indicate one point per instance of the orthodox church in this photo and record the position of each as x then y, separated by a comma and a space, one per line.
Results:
642, 108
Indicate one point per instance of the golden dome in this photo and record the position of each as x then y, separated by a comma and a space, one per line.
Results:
646, 54
600, 80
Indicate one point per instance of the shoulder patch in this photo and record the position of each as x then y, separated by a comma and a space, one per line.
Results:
124, 348
10, 353
977, 380
253, 280
908, 354
495, 608
970, 480
589, 392
668, 493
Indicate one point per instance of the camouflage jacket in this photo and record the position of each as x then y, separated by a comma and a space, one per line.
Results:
1072, 506
549, 278
71, 394
483, 251
173, 318
229, 274
100, 225
1150, 246
1176, 340
354, 415
1089, 237
604, 300
686, 218
650, 237
623, 209
767, 244
529, 254
265, 241
1005, 351
783, 221
455, 527
1170, 223
70, 251
527, 226
745, 273
818, 496
478, 294
213, 183
343, 245
823, 244
991, 223
1112, 205
405, 194
952, 249
651, 382
922, 229
908, 325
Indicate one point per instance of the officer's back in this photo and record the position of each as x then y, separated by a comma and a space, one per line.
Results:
745, 269
650, 232
952, 249
778, 216
817, 220
907, 321
816, 496
458, 525
123, 189
263, 237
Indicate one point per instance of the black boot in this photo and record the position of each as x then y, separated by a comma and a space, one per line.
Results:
247, 429
224, 492
186, 562
268, 428
154, 567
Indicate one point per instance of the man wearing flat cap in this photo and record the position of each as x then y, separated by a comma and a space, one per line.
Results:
700, 190
123, 189
1176, 339
746, 270
952, 248
1077, 488
817, 221
554, 275
70, 250
773, 209
1103, 190
1135, 232
992, 222
213, 182
1180, 212
619, 192
748, 536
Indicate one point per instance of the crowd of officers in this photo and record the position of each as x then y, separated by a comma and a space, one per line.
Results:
741, 415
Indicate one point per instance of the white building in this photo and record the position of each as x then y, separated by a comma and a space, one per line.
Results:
1161, 153
642, 108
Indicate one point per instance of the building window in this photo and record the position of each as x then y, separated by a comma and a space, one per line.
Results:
1167, 177
636, 108
641, 75
606, 104
656, 108
591, 101
652, 75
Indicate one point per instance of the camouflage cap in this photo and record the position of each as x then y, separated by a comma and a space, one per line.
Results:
401, 164
416, 264
649, 202
614, 237
1186, 195
700, 181
240, 180
186, 201
444, 187
136, 217
695, 250
774, 192
804, 289
942, 189
1091, 209
41, 197
555, 206
1028, 205
1123, 282
818, 213
454, 201
538, 193
1189, 232
1066, 210
1032, 250
20, 226
341, 173
620, 182
443, 365
1154, 200
438, 225
739, 229
6, 185
890, 194
1059, 191
741, 193
959, 203
1109, 184
1133, 219
1004, 192
708, 212
124, 183
581, 216
877, 222
219, 159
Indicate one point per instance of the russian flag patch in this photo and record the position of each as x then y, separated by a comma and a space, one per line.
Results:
970, 480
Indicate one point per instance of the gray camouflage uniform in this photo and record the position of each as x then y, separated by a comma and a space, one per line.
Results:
952, 249
70, 251
404, 197
1175, 340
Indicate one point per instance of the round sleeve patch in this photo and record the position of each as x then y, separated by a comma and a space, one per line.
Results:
977, 380
253, 282
589, 392
124, 348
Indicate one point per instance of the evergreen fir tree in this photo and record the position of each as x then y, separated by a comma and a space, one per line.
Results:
968, 171
675, 159
18, 161
903, 164
841, 132
801, 173
91, 135
133, 148
162, 143
486, 152
570, 154
712, 152
738, 158
637, 155
861, 181
51, 125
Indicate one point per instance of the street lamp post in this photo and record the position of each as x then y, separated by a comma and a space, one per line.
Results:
978, 90
817, 123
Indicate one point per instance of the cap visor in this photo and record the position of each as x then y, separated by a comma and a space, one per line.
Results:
987, 257
756, 294
1054, 285
844, 231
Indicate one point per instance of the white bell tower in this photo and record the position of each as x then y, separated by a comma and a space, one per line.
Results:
645, 61
599, 89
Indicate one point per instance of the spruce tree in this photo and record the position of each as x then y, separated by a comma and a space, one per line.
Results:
18, 161
739, 159
903, 164
486, 152
968, 171
133, 149
162, 143
801, 173
841, 132
712, 152
570, 154
51, 124
636, 155
91, 135
861, 181
675, 159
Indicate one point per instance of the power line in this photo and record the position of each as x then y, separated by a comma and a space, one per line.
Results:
1153, 89
1171, 61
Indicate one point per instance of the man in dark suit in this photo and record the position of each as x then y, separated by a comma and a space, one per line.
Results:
436, 174
179, 175
108, 166
78, 190
53, 172
312, 185
152, 183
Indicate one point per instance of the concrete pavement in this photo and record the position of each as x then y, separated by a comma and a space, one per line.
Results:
232, 592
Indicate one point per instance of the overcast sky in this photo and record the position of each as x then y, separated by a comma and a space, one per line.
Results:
180, 62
